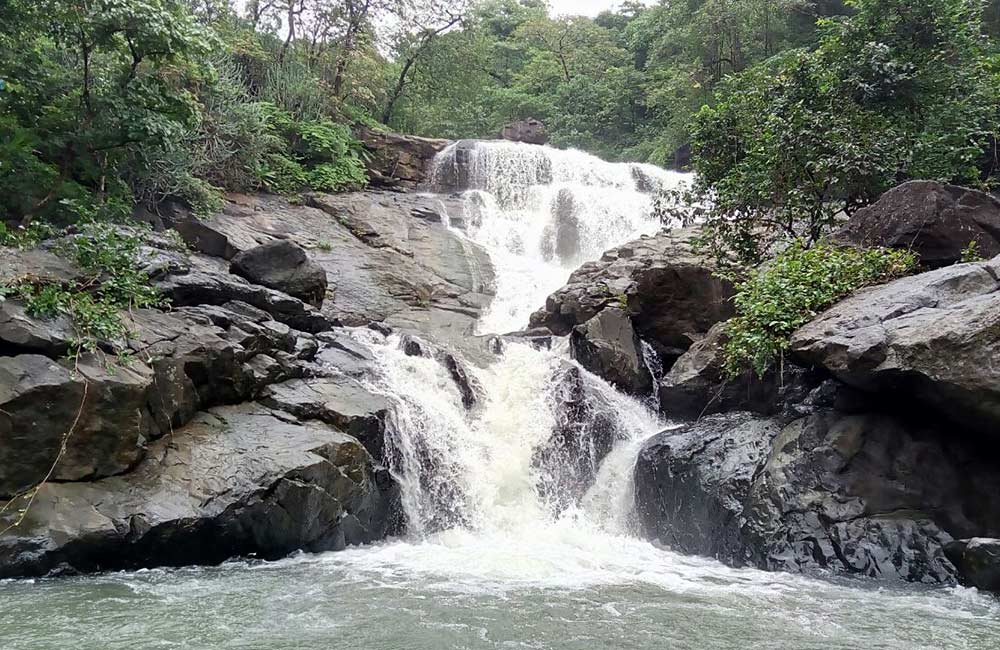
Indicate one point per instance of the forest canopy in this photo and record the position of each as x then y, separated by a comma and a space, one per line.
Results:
106, 103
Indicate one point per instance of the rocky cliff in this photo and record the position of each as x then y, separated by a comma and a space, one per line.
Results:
240, 423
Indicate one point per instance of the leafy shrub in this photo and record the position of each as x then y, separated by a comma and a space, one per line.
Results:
793, 289
109, 255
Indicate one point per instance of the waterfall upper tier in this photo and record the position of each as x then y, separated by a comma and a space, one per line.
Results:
540, 212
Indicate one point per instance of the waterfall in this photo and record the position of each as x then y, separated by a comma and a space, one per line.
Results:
549, 444
542, 212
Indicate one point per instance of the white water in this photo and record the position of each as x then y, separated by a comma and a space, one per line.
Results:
541, 212
500, 552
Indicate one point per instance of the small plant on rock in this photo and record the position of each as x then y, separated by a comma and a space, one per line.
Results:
793, 289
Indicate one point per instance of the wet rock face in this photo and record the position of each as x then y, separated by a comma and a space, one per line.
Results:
697, 384
236, 481
932, 337
399, 162
978, 562
865, 494
585, 433
934, 220
668, 291
608, 346
285, 266
530, 131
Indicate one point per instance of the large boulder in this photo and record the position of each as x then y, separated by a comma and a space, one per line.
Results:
285, 266
864, 494
530, 131
608, 346
398, 161
668, 290
236, 481
930, 339
978, 561
934, 220
698, 385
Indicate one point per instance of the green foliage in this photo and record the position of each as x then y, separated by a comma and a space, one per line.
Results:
114, 284
971, 252
898, 90
793, 289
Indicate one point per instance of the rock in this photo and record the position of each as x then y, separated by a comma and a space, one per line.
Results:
36, 265
284, 266
670, 293
697, 385
608, 346
930, 339
692, 483
237, 481
934, 220
865, 494
398, 161
530, 131
339, 401
978, 562
98, 412
21, 333
567, 228
468, 386
585, 432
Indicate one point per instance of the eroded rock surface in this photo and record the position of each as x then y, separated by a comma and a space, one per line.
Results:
934, 220
669, 292
236, 481
933, 337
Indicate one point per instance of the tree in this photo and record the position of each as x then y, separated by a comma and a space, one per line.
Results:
897, 90
419, 24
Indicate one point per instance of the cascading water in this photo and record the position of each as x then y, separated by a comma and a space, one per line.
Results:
518, 528
541, 212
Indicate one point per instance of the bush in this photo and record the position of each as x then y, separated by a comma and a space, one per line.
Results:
793, 289
109, 255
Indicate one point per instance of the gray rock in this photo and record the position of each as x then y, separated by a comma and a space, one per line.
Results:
863, 494
339, 401
978, 562
697, 384
530, 131
670, 292
934, 220
608, 346
237, 481
398, 161
284, 266
98, 412
932, 338
22, 333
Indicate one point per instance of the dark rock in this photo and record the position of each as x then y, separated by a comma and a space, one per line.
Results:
530, 131
284, 266
567, 228
697, 384
21, 333
978, 562
692, 483
339, 401
467, 384
608, 346
237, 481
98, 412
586, 430
934, 220
931, 338
398, 161
670, 293
864, 494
